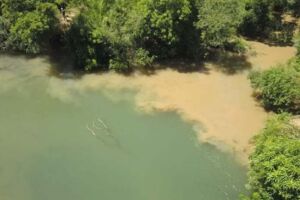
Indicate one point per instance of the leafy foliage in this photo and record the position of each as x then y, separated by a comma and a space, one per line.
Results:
218, 21
27, 33
297, 43
278, 88
294, 6
162, 24
89, 47
101, 36
133, 33
264, 19
26, 25
142, 58
274, 165
122, 35
4, 32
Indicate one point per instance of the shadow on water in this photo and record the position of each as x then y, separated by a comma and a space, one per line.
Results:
182, 66
226, 62
19, 55
230, 63
62, 65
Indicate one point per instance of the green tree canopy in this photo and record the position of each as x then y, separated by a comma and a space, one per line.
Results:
27, 24
30, 28
120, 34
218, 21
274, 165
278, 88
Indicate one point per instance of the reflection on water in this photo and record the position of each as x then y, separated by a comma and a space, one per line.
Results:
90, 147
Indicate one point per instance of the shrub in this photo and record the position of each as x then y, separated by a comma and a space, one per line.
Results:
278, 88
27, 30
4, 32
297, 42
264, 17
118, 65
142, 58
274, 165
162, 24
218, 21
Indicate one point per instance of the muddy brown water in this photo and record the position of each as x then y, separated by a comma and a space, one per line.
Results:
219, 102
53, 146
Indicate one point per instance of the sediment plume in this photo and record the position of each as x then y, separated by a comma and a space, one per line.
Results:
220, 104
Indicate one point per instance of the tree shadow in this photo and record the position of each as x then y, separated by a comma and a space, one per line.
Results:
283, 36
229, 63
282, 33
182, 66
225, 62
62, 65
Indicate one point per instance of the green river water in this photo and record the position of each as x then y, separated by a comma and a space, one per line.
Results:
48, 151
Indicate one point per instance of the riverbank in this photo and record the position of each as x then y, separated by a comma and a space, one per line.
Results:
218, 102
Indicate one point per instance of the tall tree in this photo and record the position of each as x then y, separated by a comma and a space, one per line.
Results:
218, 21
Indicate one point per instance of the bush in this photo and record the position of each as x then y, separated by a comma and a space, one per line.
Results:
4, 32
218, 21
89, 47
278, 88
237, 45
264, 17
27, 25
274, 165
118, 65
294, 6
295, 63
284, 35
142, 58
297, 43
115, 33
162, 24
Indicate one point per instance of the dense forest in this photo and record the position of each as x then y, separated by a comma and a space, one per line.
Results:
123, 35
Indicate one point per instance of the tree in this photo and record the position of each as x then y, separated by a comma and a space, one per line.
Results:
100, 37
297, 43
278, 88
161, 25
294, 6
4, 32
28, 32
218, 21
274, 165
90, 47
265, 16
122, 35
26, 25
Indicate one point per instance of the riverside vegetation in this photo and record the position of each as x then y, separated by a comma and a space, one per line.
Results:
124, 35
274, 167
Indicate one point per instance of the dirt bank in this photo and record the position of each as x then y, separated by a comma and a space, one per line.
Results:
220, 103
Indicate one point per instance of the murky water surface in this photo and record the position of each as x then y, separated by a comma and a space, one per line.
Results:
97, 146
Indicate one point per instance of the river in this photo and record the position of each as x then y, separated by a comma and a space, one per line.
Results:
171, 135
95, 144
